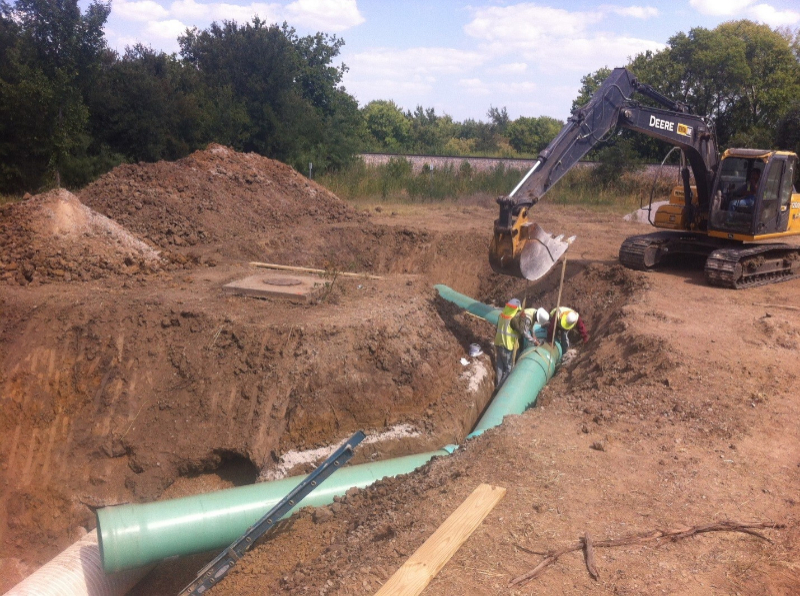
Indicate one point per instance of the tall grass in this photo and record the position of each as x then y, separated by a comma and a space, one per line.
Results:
630, 190
395, 182
6, 199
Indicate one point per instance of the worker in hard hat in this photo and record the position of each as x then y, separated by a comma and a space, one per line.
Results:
509, 326
562, 321
533, 317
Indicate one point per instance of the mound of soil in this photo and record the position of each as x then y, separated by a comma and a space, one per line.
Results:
216, 196
55, 236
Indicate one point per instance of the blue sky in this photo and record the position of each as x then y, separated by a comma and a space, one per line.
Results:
457, 57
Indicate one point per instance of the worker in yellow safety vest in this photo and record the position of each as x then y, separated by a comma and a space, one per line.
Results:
506, 338
563, 320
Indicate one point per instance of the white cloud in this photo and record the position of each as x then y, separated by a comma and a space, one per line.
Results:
585, 55
528, 24
724, 8
190, 10
170, 29
511, 68
202, 13
119, 40
144, 10
764, 13
553, 39
325, 15
242, 14
403, 64
475, 87
637, 12
773, 17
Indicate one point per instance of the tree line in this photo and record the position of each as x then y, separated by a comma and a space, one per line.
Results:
71, 108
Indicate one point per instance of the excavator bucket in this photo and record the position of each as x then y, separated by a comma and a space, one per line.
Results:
528, 251
541, 253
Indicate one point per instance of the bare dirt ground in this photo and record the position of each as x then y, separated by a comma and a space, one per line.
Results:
149, 382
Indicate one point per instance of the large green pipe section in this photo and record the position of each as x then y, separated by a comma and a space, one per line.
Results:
479, 309
530, 374
136, 535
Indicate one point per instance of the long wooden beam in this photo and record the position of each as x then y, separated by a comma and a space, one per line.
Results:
311, 270
421, 567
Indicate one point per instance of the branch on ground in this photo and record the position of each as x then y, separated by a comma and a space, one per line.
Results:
587, 545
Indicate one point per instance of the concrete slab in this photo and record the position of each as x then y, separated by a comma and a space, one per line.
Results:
276, 285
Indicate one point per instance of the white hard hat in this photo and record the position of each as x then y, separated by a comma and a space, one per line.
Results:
542, 317
571, 319
514, 302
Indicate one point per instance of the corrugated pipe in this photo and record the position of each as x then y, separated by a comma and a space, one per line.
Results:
77, 571
135, 535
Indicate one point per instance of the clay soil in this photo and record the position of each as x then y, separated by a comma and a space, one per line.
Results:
143, 380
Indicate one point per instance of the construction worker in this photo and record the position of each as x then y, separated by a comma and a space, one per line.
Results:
506, 338
562, 321
533, 316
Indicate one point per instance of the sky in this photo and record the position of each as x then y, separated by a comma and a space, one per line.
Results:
460, 58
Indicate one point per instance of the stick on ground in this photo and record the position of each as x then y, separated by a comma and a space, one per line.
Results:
586, 544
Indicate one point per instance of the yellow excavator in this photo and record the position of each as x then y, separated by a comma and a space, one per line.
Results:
735, 200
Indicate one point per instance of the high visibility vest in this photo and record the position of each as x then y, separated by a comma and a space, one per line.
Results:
506, 337
561, 316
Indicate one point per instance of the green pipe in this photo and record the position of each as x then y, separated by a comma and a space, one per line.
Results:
135, 535
530, 374
484, 311
534, 367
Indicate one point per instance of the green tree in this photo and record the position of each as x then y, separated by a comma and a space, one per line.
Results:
429, 131
589, 84
387, 126
146, 106
740, 74
787, 136
50, 58
499, 119
531, 135
286, 85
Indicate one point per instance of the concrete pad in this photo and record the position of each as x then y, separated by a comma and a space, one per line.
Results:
276, 285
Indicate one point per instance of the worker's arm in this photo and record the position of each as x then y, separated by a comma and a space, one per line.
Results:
582, 330
521, 325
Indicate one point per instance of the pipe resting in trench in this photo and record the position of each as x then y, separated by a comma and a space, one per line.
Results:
131, 537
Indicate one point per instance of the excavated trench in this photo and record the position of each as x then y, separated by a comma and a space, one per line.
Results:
147, 383
133, 396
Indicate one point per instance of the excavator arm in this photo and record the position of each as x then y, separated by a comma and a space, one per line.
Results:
519, 246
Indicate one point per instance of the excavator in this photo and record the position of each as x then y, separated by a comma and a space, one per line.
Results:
734, 201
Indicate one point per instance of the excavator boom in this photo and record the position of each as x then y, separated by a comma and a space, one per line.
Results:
521, 247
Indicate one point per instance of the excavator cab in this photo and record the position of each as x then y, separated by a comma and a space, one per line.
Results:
752, 194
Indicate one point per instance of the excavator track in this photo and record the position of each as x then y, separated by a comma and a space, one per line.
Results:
648, 250
751, 266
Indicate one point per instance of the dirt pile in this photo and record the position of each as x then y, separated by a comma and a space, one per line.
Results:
55, 236
215, 196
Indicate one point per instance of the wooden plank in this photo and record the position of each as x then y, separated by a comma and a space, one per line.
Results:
421, 567
311, 270
785, 306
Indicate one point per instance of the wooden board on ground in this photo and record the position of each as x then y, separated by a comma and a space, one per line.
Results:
276, 285
428, 560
